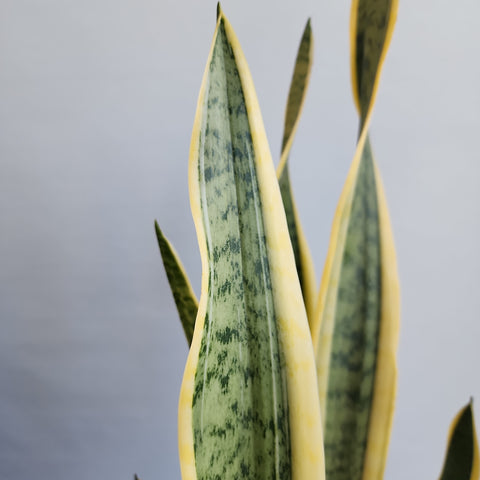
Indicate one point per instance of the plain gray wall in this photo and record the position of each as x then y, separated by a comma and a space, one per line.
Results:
97, 100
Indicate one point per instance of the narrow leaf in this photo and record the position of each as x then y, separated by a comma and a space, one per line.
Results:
355, 330
185, 299
371, 29
248, 403
296, 99
461, 460
298, 88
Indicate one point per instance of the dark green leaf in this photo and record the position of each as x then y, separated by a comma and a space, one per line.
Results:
183, 295
462, 448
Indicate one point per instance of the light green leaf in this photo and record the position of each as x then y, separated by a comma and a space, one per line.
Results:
296, 99
248, 405
356, 331
462, 458
185, 299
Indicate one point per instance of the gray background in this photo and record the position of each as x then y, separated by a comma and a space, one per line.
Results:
97, 100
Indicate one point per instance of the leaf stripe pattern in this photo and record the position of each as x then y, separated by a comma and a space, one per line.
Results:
298, 87
356, 326
185, 300
242, 385
354, 343
296, 99
248, 406
371, 30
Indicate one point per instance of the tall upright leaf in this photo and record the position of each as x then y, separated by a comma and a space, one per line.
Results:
248, 404
296, 99
462, 457
356, 326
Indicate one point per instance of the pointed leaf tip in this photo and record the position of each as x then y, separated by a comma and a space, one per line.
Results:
462, 458
219, 10
230, 167
185, 299
296, 98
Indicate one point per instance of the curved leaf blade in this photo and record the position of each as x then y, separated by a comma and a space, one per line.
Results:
298, 88
356, 326
185, 299
296, 99
249, 383
354, 343
462, 457
371, 29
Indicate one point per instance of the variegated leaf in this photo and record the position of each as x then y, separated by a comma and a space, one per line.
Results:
248, 403
356, 327
296, 99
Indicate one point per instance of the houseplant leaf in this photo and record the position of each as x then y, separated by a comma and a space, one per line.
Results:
248, 403
296, 99
355, 331
462, 458
185, 299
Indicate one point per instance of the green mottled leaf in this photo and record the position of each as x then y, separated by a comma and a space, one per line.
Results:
239, 399
298, 86
356, 332
461, 460
355, 340
373, 25
296, 98
248, 405
185, 299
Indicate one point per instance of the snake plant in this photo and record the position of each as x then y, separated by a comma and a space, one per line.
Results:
284, 381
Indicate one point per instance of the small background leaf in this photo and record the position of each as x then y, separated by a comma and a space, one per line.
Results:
461, 460
185, 299
296, 99
371, 27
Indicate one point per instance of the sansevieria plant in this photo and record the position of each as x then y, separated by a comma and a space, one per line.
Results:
285, 381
